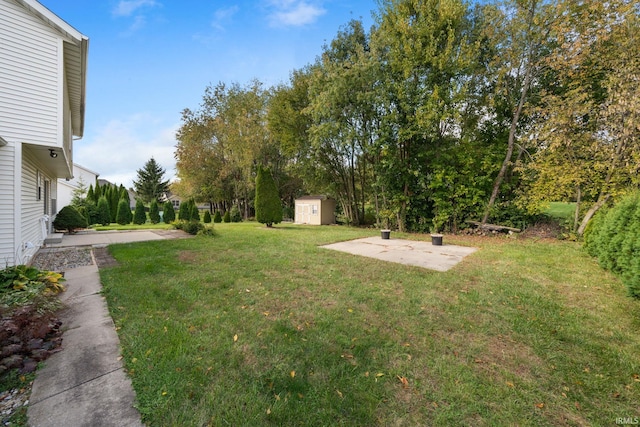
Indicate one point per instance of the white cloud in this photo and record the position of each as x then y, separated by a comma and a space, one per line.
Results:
294, 13
223, 16
122, 146
129, 7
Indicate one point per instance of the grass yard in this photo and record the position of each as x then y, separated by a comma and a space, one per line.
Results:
146, 226
260, 326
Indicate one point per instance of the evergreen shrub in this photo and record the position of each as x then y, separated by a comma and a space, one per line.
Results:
139, 215
124, 215
168, 212
154, 212
104, 212
69, 219
184, 211
236, 216
207, 217
226, 217
195, 213
191, 227
217, 218
267, 202
614, 238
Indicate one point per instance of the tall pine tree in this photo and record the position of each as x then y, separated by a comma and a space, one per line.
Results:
150, 183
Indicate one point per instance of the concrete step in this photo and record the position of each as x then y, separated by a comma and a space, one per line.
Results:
53, 238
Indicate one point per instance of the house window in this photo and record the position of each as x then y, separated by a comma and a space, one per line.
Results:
38, 186
176, 204
314, 209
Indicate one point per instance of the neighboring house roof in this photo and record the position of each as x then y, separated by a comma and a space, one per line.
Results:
75, 165
76, 47
318, 197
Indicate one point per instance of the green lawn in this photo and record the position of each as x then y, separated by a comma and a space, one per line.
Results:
260, 326
146, 226
561, 210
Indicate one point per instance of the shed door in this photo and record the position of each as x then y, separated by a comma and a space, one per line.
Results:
303, 213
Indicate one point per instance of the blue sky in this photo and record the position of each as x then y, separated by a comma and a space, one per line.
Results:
150, 59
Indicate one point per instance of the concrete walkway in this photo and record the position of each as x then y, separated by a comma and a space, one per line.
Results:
410, 252
85, 384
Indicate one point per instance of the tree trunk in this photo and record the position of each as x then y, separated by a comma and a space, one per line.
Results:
510, 143
576, 215
591, 212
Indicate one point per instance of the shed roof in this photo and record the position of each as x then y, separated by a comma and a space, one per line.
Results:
317, 197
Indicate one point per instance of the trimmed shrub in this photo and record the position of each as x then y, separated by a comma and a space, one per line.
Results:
195, 213
614, 238
207, 217
104, 212
226, 217
124, 215
168, 212
217, 218
139, 215
69, 219
184, 211
191, 227
207, 230
236, 216
267, 203
154, 212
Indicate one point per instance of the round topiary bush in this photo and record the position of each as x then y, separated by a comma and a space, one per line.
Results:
217, 218
207, 217
226, 217
69, 219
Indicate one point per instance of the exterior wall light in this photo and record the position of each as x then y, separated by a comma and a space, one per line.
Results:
52, 153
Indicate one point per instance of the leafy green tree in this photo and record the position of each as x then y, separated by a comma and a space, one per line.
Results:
426, 53
124, 215
168, 212
207, 217
343, 111
267, 202
150, 183
104, 212
154, 212
139, 214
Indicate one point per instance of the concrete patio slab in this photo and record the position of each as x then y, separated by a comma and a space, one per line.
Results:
409, 252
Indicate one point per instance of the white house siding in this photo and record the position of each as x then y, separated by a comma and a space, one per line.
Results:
30, 66
67, 187
7, 198
32, 209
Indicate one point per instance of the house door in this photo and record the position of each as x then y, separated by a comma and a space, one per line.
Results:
47, 190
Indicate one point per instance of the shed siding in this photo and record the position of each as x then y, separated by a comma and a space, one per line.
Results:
7, 172
30, 94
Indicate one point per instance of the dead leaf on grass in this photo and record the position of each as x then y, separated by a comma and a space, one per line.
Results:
404, 381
